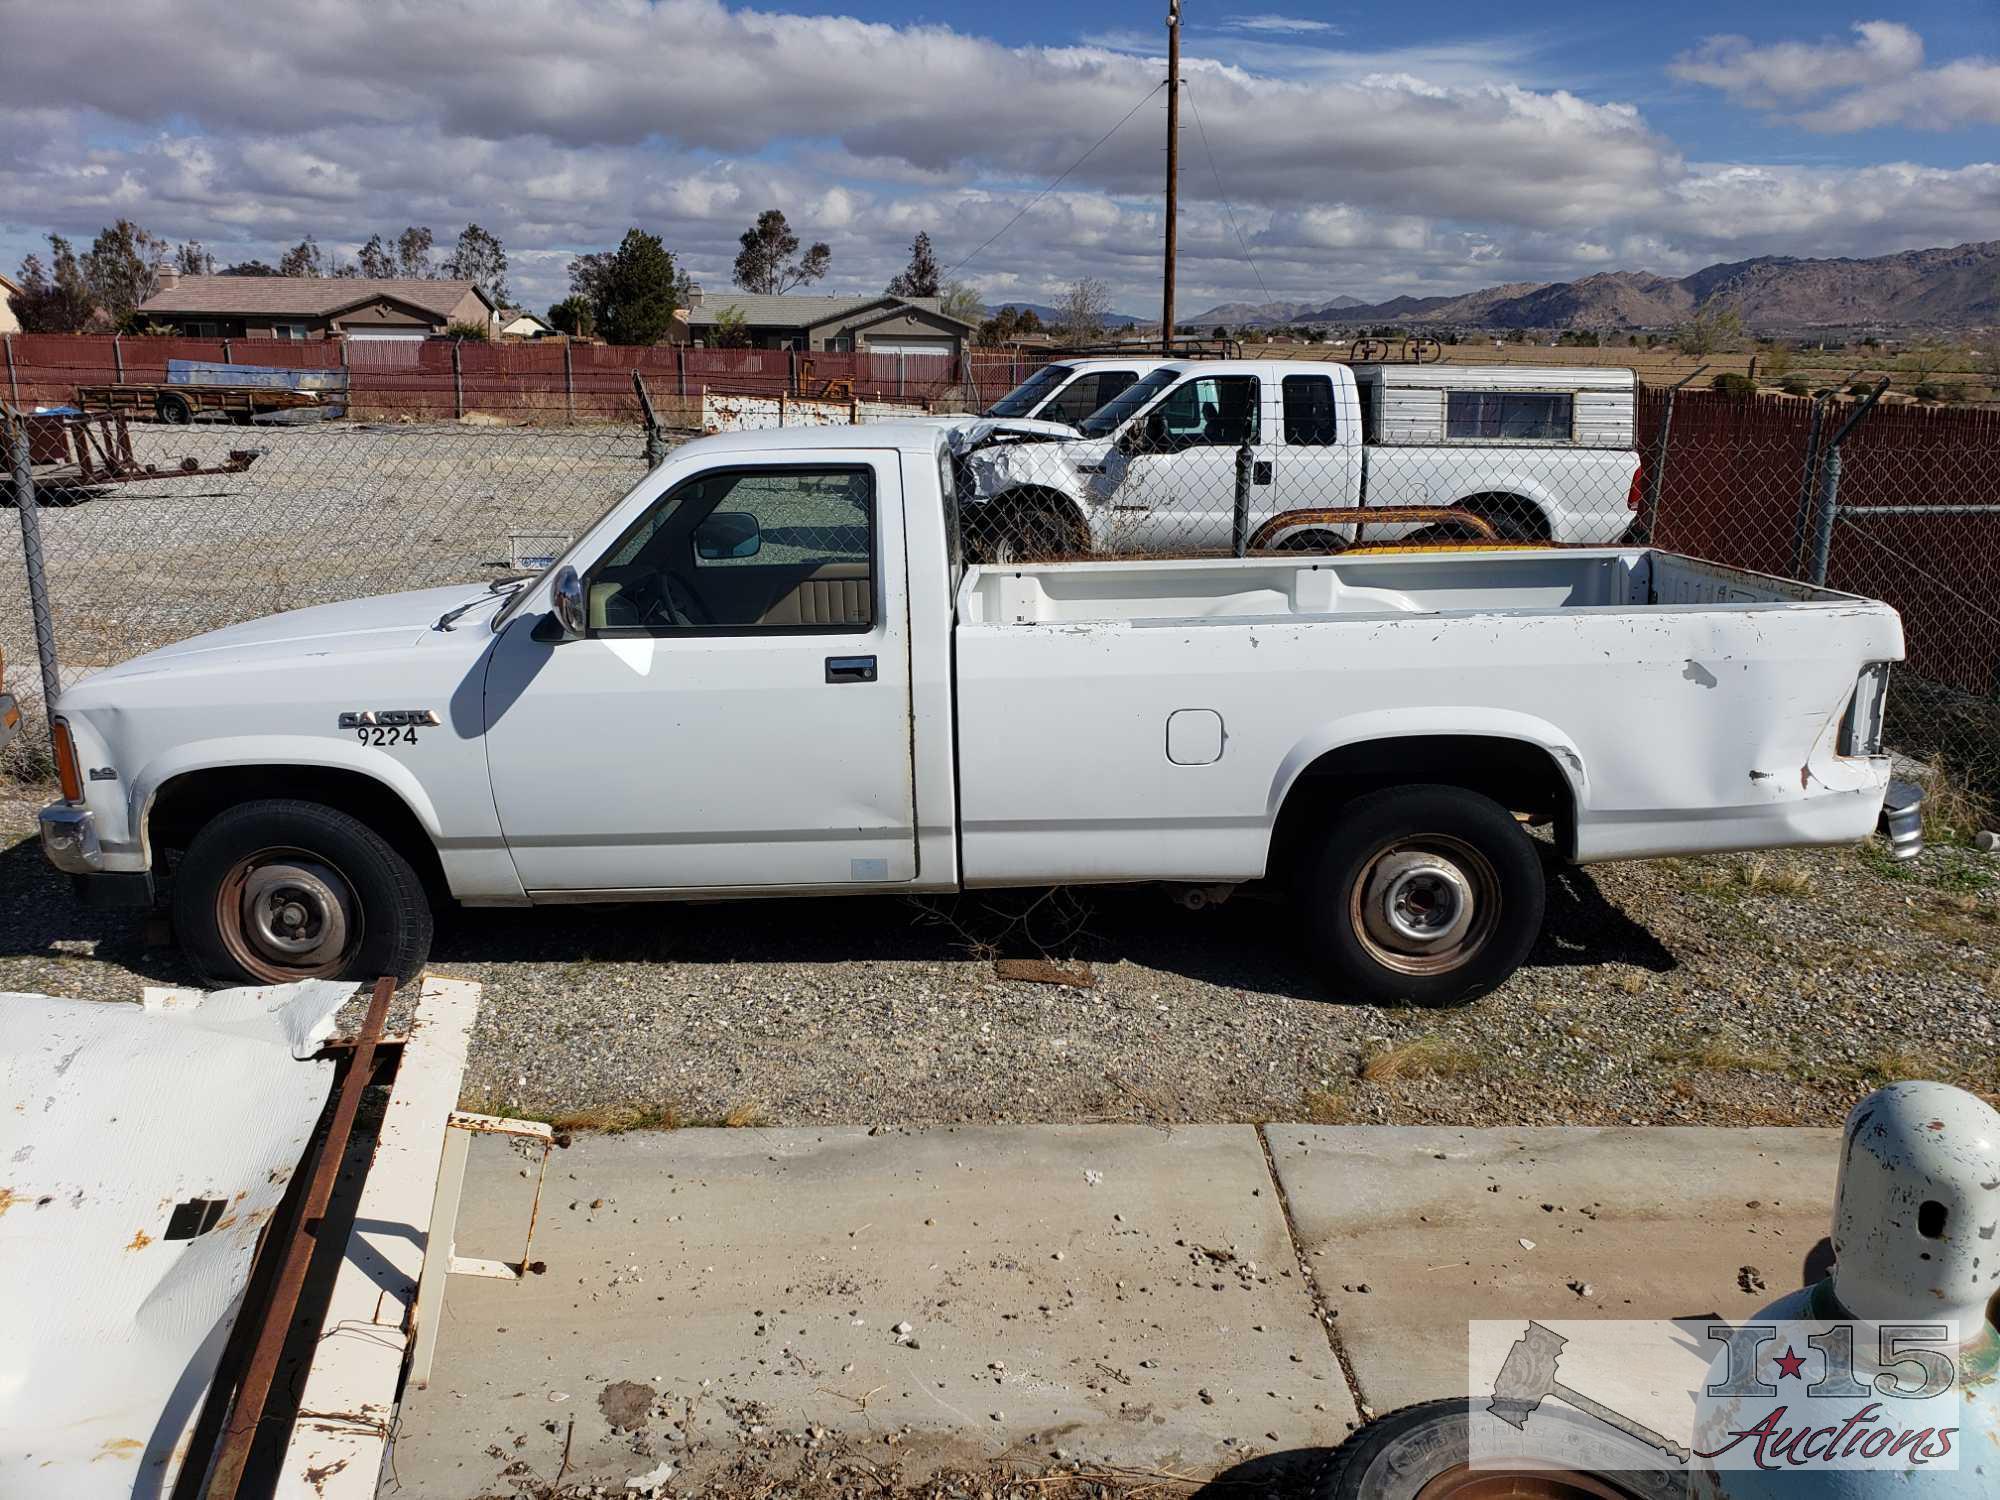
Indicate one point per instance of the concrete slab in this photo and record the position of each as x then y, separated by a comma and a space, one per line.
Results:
1656, 1222
1126, 1294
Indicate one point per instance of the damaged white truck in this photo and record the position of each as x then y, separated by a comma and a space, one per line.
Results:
765, 671
1541, 453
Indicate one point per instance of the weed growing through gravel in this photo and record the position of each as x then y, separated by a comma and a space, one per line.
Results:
1715, 1055
1425, 1057
1326, 1107
1940, 868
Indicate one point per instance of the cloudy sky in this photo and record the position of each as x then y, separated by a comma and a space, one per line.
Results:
1326, 148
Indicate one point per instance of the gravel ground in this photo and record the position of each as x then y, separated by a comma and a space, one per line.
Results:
1765, 989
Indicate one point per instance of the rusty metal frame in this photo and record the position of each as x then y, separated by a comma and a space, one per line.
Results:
99, 445
295, 1253
1358, 516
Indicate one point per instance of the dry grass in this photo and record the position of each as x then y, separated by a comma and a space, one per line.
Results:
617, 1119
1714, 1055
1326, 1107
1761, 874
1953, 810
745, 1114
1425, 1057
1894, 1064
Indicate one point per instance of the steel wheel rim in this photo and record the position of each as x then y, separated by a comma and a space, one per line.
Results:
1425, 904
285, 913
1461, 1482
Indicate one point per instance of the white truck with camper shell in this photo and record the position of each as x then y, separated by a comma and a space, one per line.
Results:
765, 671
1541, 452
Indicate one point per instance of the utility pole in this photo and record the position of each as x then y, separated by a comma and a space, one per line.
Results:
1173, 171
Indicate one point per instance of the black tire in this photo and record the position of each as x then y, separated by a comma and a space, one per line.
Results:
1023, 530
174, 410
267, 874
1422, 895
1511, 517
1395, 1456
1313, 539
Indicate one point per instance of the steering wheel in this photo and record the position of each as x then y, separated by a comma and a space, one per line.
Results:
663, 600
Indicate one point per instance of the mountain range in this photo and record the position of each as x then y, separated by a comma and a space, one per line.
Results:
1951, 287
1052, 316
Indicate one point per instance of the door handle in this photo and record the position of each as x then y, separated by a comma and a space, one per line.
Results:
850, 669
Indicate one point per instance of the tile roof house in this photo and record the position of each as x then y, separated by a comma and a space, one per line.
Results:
303, 307
879, 324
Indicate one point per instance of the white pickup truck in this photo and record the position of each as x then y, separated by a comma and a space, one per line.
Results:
765, 672
1542, 452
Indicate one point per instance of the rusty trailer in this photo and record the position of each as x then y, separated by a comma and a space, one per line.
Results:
71, 455
181, 404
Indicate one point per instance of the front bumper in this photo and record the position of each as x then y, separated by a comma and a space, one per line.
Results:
69, 842
69, 839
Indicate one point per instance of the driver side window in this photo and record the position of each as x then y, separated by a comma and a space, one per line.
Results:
747, 549
1214, 412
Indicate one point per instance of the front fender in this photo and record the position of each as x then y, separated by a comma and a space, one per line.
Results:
277, 750
1411, 723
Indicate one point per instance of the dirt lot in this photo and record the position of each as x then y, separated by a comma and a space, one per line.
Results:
329, 511
1764, 989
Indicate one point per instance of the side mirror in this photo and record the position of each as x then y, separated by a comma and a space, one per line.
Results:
566, 595
728, 533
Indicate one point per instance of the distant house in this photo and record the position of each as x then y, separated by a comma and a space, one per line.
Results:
8, 322
870, 325
301, 307
519, 323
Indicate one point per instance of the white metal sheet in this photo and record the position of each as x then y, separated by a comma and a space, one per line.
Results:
347, 1407
142, 1148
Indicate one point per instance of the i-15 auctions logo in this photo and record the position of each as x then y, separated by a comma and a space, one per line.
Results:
1698, 1394
1830, 1395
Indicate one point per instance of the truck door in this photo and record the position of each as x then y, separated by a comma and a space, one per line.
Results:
1314, 467
1178, 489
738, 714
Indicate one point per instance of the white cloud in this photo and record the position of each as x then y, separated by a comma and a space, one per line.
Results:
1877, 79
1282, 25
559, 123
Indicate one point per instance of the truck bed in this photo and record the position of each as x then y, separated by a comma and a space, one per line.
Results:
1273, 589
1688, 707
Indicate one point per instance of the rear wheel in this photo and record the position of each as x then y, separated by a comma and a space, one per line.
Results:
1426, 895
174, 410
1514, 519
275, 891
1312, 540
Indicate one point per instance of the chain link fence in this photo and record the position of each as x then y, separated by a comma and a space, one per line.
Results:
1900, 503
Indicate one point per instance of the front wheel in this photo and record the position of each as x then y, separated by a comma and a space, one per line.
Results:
1425, 895
174, 410
279, 890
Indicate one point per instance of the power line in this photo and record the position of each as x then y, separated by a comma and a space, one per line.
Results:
967, 260
1234, 229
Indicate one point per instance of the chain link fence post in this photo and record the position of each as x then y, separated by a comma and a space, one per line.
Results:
1828, 510
1239, 529
34, 563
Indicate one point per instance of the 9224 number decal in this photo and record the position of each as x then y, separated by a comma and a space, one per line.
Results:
388, 726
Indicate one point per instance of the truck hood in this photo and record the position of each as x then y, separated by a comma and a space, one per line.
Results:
386, 622
969, 433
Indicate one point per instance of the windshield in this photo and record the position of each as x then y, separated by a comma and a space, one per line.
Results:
1026, 396
1112, 415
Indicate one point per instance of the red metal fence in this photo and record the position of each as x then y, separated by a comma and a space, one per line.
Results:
552, 380
1737, 489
